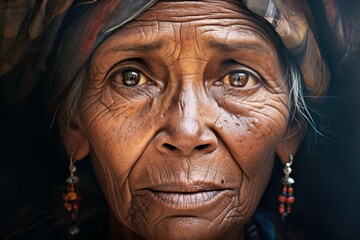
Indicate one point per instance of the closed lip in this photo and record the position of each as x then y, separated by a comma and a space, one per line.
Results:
186, 188
188, 196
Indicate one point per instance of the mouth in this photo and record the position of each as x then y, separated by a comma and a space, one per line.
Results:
188, 196
187, 199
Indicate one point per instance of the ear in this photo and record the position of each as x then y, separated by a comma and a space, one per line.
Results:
290, 143
75, 141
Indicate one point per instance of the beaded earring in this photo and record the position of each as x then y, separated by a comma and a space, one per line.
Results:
286, 198
71, 197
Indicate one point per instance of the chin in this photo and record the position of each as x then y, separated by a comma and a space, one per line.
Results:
189, 227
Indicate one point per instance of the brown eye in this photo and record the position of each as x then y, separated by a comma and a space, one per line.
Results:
240, 79
130, 78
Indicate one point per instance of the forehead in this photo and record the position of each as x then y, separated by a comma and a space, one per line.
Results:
229, 20
181, 11
200, 30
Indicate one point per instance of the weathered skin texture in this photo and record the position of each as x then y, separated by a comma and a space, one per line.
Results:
184, 154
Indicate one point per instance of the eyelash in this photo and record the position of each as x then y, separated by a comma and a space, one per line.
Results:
149, 88
120, 70
231, 68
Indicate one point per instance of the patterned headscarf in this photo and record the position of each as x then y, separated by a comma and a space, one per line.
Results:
31, 29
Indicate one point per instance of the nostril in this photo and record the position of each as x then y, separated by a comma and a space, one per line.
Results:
169, 146
202, 146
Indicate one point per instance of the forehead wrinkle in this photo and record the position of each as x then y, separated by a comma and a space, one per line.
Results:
186, 11
142, 47
199, 49
247, 28
231, 47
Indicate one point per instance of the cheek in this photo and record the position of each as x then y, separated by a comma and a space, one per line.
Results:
253, 127
118, 134
251, 131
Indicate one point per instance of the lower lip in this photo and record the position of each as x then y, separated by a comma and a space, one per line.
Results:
189, 200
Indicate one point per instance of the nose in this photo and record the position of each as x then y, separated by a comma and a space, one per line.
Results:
185, 137
185, 131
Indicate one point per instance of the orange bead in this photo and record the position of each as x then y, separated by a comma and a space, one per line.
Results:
72, 196
282, 198
290, 200
290, 190
281, 210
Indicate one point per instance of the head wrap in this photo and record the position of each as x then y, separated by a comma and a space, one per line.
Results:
293, 21
75, 28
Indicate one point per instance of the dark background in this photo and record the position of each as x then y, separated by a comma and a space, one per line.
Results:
327, 178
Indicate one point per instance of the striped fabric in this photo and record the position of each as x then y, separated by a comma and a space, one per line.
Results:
293, 21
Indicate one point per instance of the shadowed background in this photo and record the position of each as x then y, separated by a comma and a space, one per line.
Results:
33, 168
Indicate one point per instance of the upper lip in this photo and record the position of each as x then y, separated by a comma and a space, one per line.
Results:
180, 187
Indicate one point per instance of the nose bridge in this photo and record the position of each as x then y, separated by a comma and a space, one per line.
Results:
189, 73
188, 102
185, 116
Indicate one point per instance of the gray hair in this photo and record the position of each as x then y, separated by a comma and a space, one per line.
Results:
67, 100
299, 108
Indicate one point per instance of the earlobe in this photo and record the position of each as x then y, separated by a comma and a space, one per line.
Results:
290, 143
76, 142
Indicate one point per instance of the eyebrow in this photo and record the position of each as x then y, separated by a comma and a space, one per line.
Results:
231, 47
139, 47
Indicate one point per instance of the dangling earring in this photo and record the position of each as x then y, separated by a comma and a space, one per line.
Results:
286, 198
72, 197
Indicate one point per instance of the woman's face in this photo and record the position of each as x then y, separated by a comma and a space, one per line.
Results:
184, 111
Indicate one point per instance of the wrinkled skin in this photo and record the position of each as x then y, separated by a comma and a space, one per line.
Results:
186, 152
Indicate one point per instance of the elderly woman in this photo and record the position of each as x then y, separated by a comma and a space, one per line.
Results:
181, 106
